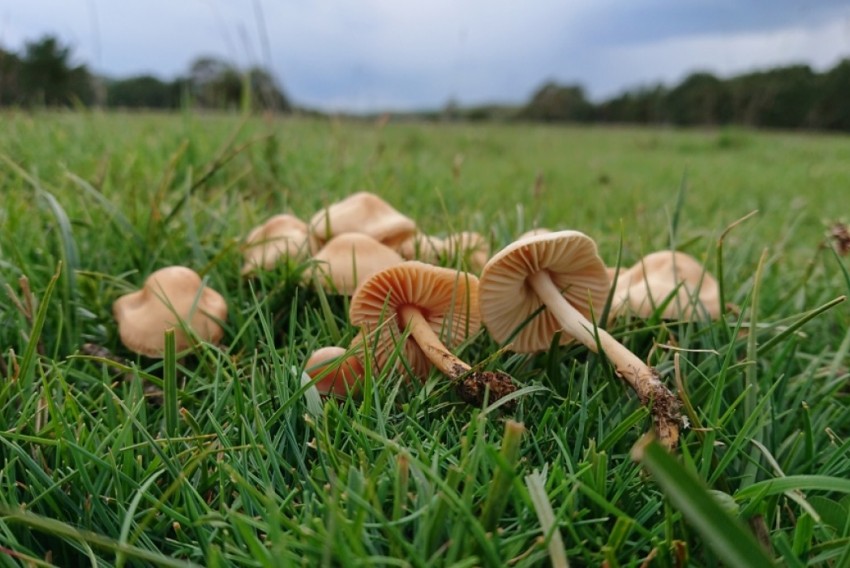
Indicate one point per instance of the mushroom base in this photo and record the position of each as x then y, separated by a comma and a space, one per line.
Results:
473, 388
664, 409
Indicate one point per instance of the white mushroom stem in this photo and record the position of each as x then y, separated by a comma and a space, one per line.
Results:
430, 344
643, 379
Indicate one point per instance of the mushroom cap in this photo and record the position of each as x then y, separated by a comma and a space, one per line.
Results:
349, 259
448, 300
534, 233
168, 297
280, 237
471, 247
508, 302
341, 373
361, 212
652, 280
420, 246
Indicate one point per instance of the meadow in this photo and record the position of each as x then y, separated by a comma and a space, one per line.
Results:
241, 464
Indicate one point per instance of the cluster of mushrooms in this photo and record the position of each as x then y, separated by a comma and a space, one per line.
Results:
412, 312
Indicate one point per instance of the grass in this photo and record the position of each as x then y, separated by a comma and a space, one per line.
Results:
240, 466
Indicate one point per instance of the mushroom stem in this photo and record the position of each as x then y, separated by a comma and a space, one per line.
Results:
432, 347
475, 385
642, 378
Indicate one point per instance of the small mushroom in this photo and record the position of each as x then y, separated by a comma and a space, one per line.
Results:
668, 275
340, 374
428, 301
349, 259
280, 237
361, 212
471, 247
468, 246
420, 246
171, 298
562, 272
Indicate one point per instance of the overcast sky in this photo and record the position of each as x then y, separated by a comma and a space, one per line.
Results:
362, 55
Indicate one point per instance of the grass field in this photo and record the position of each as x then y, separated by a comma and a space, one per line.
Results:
239, 466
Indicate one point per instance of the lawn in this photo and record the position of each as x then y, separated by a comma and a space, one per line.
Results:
238, 464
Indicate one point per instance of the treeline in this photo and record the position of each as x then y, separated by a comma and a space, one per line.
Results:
43, 74
786, 97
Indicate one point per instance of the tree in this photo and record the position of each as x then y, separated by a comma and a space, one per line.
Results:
143, 91
553, 102
701, 98
47, 76
830, 109
10, 90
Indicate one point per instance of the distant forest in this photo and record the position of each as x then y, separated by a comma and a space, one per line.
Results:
792, 97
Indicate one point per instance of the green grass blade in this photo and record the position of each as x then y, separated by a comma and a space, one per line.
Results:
170, 396
724, 534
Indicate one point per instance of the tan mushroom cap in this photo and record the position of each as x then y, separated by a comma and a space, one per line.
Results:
447, 299
420, 246
349, 259
341, 374
508, 302
361, 212
280, 237
534, 233
169, 296
468, 246
657, 276
471, 247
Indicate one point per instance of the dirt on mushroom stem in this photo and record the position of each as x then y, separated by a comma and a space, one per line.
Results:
472, 385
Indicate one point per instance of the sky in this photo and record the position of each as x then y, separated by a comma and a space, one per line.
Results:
370, 55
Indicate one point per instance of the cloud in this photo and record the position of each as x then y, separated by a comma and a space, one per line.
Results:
670, 60
365, 55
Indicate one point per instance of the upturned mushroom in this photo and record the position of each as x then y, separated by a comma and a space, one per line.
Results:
426, 301
340, 371
349, 259
563, 273
171, 298
361, 212
677, 278
280, 237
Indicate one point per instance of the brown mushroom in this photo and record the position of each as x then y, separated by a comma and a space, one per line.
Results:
562, 272
668, 276
349, 259
171, 298
365, 213
340, 372
280, 237
427, 301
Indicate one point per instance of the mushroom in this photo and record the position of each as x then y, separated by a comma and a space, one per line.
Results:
281, 236
428, 301
361, 212
468, 246
339, 373
172, 297
562, 272
534, 233
471, 247
349, 259
668, 276
420, 246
